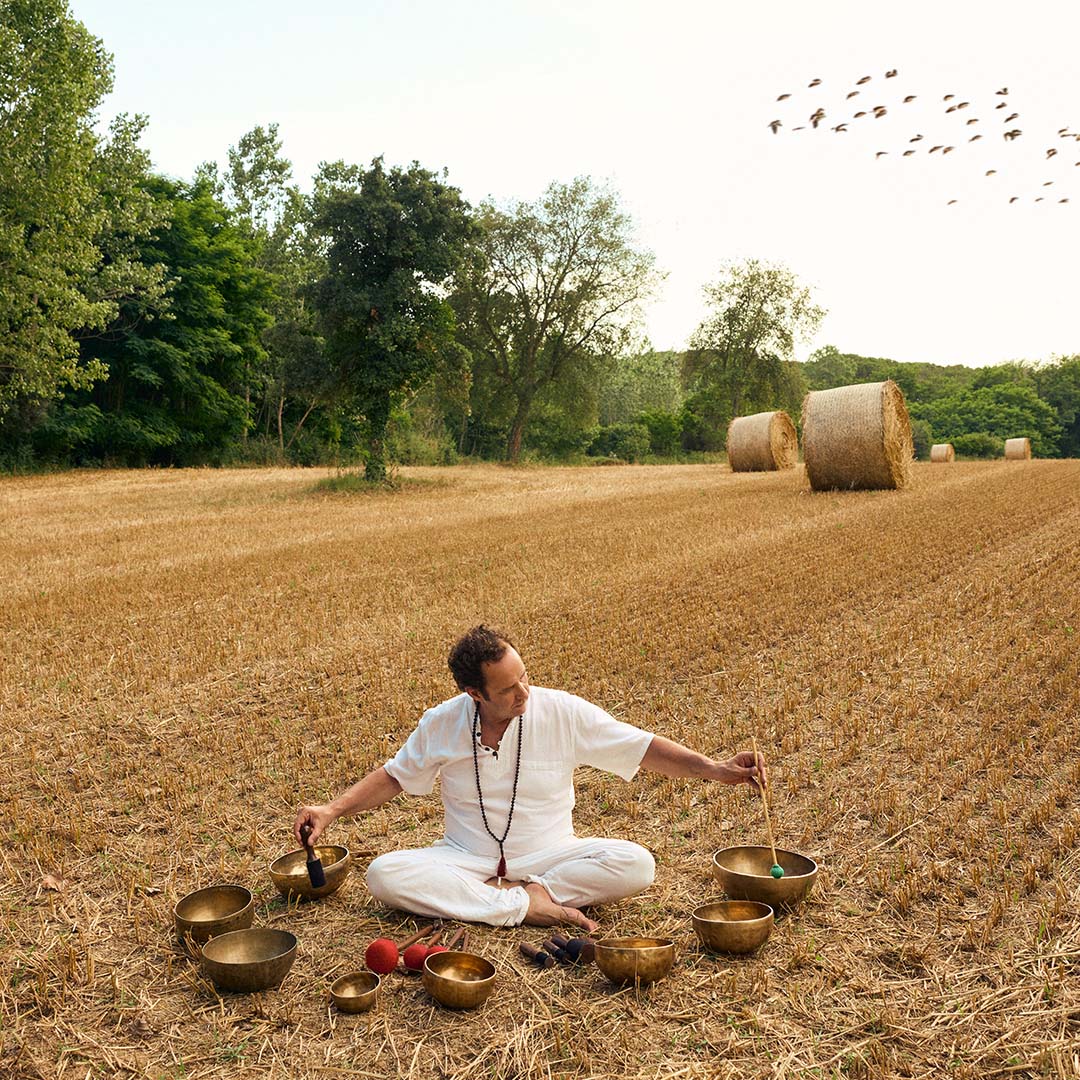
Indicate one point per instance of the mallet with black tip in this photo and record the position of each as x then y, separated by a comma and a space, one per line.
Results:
537, 957
560, 954
581, 950
316, 874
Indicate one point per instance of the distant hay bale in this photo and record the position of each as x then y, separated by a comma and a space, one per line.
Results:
857, 437
762, 442
942, 451
1017, 449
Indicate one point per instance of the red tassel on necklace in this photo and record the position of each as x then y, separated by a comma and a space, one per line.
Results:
501, 872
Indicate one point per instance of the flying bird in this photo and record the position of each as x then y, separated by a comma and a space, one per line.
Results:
864, 79
951, 108
890, 74
1062, 200
974, 137
1012, 116
1051, 152
1014, 198
973, 120
908, 153
991, 172
950, 202
813, 82
1003, 90
881, 153
910, 97
1010, 135
963, 104
817, 117
915, 138
879, 111
775, 125
1001, 105
783, 97
801, 127
948, 97
858, 114
1047, 183
854, 93
947, 149
840, 127
933, 148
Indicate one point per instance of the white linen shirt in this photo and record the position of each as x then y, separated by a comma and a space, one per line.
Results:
559, 731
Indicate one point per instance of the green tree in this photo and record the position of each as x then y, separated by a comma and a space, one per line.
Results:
53, 74
176, 370
1058, 384
394, 243
741, 356
647, 382
549, 296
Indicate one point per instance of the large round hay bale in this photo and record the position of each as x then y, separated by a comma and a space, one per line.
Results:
762, 442
857, 437
942, 451
1017, 449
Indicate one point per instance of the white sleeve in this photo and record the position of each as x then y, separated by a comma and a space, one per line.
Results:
416, 765
606, 743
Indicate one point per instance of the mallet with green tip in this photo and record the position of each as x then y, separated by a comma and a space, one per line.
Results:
777, 870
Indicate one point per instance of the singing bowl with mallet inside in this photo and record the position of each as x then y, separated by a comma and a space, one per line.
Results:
745, 874
355, 992
733, 926
248, 961
290, 873
459, 980
638, 960
217, 909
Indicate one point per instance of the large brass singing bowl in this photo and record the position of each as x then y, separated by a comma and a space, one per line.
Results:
216, 910
637, 960
733, 926
290, 875
355, 992
249, 960
744, 873
459, 980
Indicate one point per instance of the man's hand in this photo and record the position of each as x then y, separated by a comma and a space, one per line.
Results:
744, 769
318, 817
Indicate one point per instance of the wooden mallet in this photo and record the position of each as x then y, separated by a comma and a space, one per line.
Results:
316, 874
537, 957
777, 870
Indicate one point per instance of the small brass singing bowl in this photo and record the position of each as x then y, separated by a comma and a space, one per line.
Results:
289, 872
355, 992
218, 909
459, 980
248, 961
745, 874
636, 960
733, 926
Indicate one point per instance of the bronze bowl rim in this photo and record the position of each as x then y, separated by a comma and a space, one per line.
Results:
357, 1002
336, 872
319, 847
432, 977
250, 902
814, 867
215, 943
660, 949
769, 913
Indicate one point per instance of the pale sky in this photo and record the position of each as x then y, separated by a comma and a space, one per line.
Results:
670, 102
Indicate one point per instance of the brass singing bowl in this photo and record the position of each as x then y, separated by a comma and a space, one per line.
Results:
459, 980
733, 926
355, 992
215, 910
638, 960
249, 960
290, 875
744, 873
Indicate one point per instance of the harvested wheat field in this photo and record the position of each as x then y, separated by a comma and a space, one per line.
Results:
189, 655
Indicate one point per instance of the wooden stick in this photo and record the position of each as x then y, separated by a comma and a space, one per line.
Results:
765, 802
455, 939
422, 932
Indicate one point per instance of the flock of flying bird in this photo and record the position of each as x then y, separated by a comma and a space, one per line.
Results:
971, 131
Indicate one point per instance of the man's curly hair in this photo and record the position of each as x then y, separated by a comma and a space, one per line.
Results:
478, 646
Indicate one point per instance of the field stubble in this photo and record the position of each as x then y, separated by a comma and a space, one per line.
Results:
188, 655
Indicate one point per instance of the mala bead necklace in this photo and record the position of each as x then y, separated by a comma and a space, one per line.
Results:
500, 873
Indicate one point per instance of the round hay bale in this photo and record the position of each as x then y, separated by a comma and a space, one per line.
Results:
857, 437
1017, 449
942, 451
762, 442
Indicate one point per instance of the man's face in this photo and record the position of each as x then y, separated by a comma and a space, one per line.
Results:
506, 687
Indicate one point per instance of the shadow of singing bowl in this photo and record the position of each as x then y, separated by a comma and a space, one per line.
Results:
249, 960
215, 910
289, 872
355, 992
637, 960
733, 926
744, 874
459, 980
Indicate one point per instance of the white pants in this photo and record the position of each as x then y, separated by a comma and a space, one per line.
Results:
444, 881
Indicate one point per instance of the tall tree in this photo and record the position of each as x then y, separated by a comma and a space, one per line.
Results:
68, 203
395, 239
552, 287
742, 354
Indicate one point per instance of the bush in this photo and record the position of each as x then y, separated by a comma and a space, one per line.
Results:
630, 442
665, 432
979, 444
923, 439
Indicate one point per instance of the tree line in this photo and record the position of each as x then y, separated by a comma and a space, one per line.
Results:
378, 317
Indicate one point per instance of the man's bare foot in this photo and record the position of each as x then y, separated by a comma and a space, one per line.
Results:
543, 911
506, 883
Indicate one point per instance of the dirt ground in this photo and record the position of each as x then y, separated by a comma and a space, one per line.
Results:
186, 656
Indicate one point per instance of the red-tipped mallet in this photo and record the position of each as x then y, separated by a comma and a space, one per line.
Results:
316, 874
382, 954
415, 955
